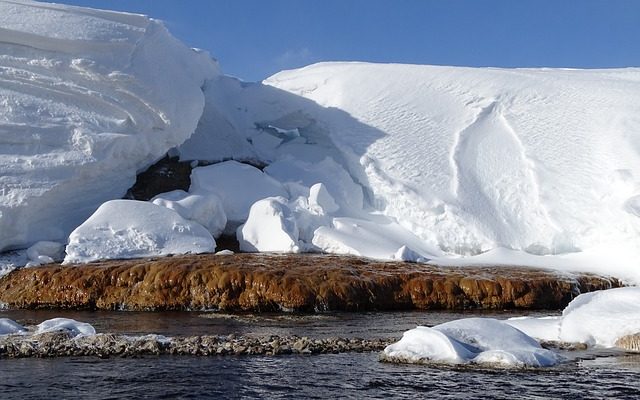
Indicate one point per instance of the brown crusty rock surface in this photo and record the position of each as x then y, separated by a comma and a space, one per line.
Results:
263, 282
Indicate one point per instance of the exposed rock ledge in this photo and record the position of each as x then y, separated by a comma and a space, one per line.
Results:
261, 282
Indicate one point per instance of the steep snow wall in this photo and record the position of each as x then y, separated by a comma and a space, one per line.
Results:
87, 98
541, 160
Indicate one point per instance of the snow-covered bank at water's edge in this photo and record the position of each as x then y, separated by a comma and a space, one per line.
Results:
397, 162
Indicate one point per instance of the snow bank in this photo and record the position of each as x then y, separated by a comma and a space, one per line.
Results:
88, 99
238, 186
132, 229
470, 341
597, 319
270, 227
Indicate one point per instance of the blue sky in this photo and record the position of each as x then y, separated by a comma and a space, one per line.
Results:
253, 39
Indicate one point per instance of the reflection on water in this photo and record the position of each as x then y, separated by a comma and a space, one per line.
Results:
363, 325
350, 375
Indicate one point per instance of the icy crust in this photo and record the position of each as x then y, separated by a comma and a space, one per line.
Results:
89, 98
600, 319
482, 341
543, 162
596, 319
134, 229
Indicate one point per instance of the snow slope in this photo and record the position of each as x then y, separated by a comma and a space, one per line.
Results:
545, 161
87, 98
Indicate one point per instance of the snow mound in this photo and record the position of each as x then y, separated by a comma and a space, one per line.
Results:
597, 319
483, 341
88, 99
271, 227
204, 209
238, 186
9, 327
73, 327
133, 229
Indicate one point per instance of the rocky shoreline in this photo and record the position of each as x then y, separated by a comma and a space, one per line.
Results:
62, 344
305, 283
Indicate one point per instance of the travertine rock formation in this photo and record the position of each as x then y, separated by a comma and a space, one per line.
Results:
262, 282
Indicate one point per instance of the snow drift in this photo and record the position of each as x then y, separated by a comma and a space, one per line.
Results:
87, 98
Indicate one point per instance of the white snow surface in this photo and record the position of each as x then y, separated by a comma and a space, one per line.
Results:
45, 252
72, 326
483, 341
596, 319
270, 227
133, 229
540, 161
87, 98
10, 327
237, 185
205, 209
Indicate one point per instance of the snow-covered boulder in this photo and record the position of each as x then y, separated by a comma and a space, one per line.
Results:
88, 98
205, 209
470, 341
132, 229
270, 227
238, 186
10, 327
71, 326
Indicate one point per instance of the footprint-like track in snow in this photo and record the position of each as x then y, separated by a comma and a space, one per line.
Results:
495, 182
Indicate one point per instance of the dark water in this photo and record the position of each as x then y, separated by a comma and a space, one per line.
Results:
352, 375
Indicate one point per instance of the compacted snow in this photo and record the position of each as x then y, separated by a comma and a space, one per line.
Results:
455, 165
593, 319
